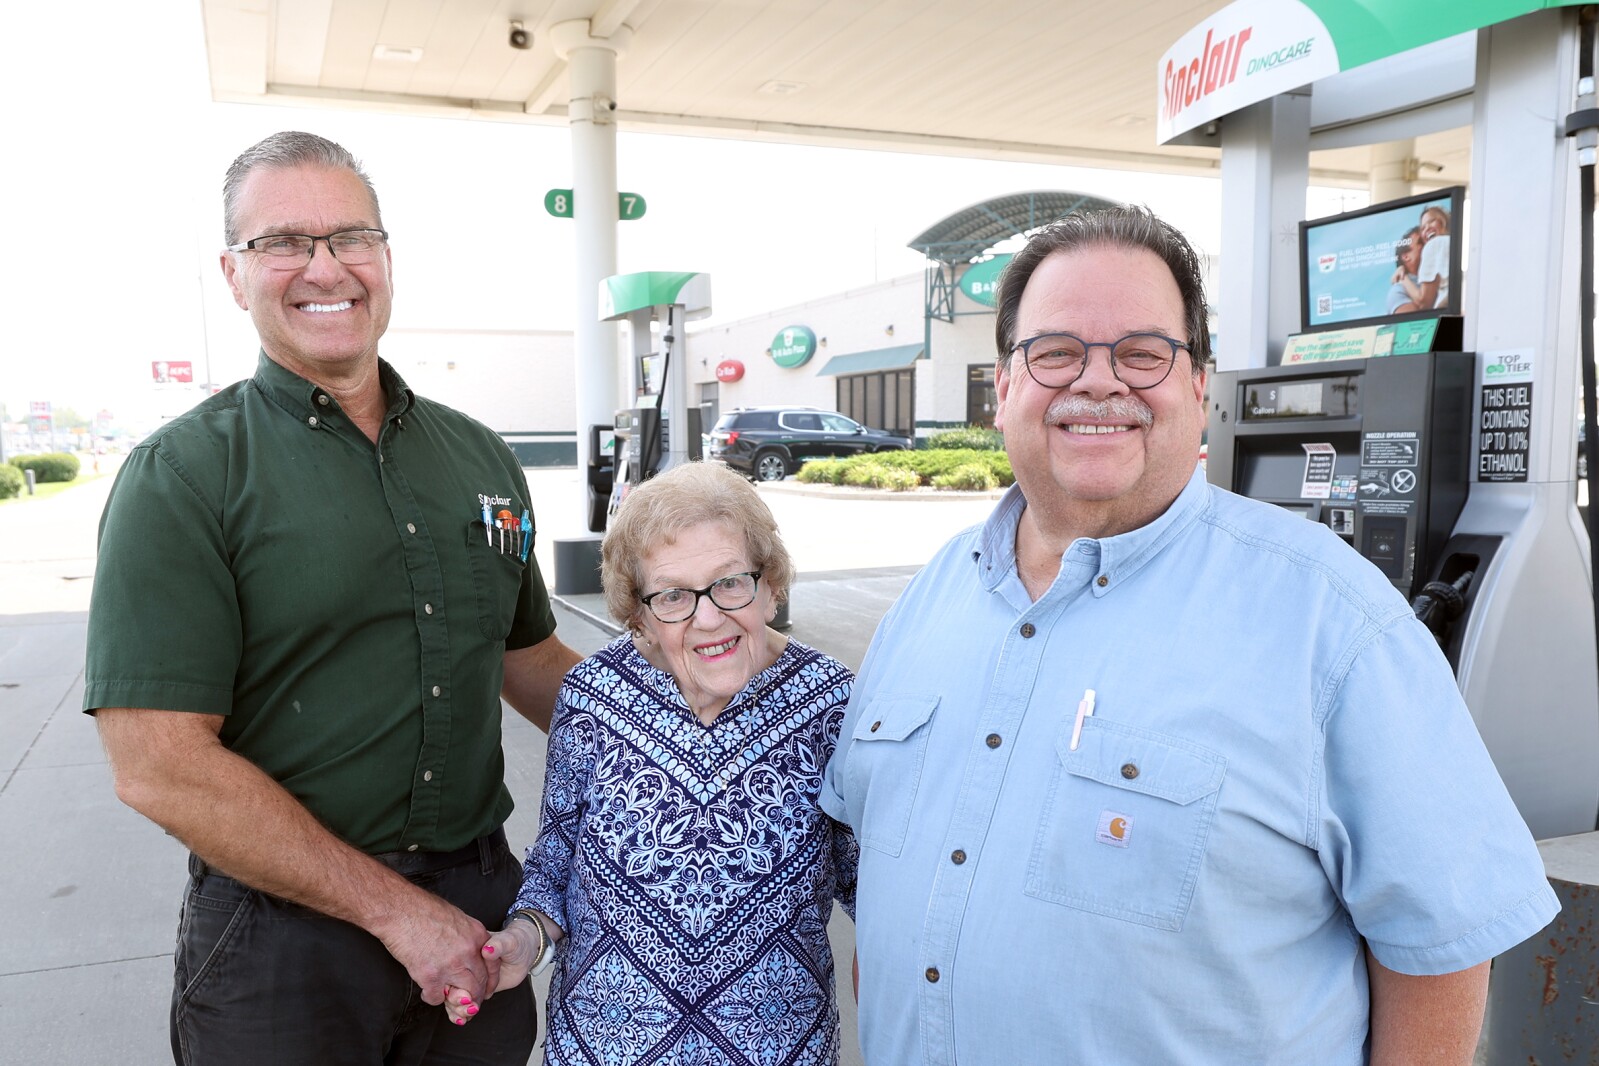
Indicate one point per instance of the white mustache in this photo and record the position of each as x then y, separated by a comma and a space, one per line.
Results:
1075, 408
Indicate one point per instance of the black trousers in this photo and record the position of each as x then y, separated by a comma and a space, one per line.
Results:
259, 980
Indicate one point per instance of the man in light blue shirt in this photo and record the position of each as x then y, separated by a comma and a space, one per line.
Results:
1144, 772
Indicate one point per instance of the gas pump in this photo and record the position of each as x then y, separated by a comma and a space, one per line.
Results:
657, 307
1450, 468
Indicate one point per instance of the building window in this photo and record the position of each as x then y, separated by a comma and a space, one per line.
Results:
884, 400
981, 400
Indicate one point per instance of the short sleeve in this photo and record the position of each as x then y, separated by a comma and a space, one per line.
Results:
534, 618
164, 625
1415, 830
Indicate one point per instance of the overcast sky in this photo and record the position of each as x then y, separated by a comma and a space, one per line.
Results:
118, 153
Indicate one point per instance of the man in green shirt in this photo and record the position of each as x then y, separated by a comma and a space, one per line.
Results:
312, 590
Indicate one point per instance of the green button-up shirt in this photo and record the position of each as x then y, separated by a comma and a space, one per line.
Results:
343, 605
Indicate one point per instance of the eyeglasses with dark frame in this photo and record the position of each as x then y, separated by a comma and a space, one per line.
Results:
730, 593
1138, 360
291, 251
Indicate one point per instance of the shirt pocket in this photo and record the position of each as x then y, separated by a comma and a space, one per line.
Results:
884, 767
1124, 826
496, 577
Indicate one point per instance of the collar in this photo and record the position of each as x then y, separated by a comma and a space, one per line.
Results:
1105, 563
306, 400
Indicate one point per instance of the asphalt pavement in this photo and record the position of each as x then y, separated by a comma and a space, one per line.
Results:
89, 892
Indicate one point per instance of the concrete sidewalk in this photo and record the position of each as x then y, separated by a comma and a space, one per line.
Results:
89, 895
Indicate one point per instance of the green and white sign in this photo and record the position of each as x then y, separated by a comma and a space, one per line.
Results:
981, 280
1362, 342
793, 346
1252, 50
629, 205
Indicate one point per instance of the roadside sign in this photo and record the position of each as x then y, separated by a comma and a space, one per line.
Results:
629, 205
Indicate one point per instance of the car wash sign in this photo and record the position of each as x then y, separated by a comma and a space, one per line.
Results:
1253, 50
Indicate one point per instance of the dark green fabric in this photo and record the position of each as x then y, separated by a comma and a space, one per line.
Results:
257, 561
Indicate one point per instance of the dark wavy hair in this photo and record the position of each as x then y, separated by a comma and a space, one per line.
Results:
1124, 226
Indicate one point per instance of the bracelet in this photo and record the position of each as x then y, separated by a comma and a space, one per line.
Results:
546, 952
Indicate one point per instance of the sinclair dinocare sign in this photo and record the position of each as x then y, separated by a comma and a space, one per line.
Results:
1253, 50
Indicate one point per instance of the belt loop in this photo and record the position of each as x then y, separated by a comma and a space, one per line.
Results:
197, 868
485, 854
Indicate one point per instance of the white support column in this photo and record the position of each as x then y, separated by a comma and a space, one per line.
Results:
591, 64
1393, 169
1265, 169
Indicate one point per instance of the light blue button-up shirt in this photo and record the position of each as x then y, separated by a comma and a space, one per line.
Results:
1278, 764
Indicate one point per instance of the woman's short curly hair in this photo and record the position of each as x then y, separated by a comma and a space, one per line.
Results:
657, 511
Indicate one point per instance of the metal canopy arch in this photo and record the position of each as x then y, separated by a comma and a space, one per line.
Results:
970, 232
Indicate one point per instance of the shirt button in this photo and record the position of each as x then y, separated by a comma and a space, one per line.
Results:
957, 856
428, 607
437, 691
311, 421
932, 975
427, 775
993, 740
322, 399
1129, 771
410, 527
1103, 581
876, 726
1027, 629
411, 848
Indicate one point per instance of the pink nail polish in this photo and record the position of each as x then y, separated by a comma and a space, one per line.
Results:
472, 1009
460, 1021
488, 949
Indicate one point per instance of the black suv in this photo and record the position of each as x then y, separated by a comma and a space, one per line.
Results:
769, 443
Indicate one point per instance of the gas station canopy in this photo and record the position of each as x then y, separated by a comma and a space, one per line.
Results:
1065, 82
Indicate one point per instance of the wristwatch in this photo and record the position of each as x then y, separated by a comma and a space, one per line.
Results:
546, 954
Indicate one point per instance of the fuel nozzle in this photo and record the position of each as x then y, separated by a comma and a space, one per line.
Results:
1441, 602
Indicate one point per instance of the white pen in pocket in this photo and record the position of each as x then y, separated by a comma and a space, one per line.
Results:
1085, 709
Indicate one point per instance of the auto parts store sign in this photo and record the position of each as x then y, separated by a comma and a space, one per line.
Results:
1253, 50
793, 346
981, 280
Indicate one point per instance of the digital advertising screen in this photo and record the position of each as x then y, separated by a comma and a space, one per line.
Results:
1388, 262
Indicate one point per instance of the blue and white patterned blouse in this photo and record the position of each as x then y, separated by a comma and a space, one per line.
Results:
691, 867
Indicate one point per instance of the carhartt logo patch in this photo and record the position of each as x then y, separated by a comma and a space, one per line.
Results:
1114, 829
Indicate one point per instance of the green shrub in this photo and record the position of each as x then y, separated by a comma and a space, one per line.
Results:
976, 477
976, 438
11, 481
880, 476
821, 472
54, 466
925, 465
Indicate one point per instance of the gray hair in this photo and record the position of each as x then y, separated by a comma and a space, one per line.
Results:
281, 151
657, 511
1122, 226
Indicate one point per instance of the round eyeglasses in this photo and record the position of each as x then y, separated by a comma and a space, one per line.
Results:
729, 593
292, 251
1138, 360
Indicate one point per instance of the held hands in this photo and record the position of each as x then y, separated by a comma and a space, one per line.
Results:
439, 947
511, 952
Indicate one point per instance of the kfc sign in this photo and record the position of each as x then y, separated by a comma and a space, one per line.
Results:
165, 372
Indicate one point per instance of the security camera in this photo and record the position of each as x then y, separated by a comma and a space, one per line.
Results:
520, 38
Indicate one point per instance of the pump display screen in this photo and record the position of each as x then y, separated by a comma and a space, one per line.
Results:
1327, 397
1368, 266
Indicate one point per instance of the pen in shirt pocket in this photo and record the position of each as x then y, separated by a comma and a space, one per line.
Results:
527, 533
1085, 709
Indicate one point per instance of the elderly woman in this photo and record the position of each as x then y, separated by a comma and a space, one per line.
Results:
683, 873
